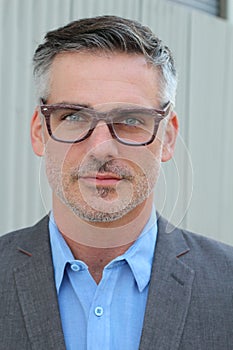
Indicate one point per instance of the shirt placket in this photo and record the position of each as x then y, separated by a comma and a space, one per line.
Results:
100, 312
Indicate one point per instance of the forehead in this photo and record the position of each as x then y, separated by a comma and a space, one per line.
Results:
97, 78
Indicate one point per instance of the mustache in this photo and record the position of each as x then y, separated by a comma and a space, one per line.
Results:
97, 166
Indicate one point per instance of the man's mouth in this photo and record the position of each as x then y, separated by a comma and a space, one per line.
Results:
101, 179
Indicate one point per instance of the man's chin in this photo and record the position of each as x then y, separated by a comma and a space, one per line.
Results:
98, 216
104, 210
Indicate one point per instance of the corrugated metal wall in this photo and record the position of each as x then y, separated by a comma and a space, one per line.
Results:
201, 171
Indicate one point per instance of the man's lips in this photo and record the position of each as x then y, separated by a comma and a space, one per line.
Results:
101, 179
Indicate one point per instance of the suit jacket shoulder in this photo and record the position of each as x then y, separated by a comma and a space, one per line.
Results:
28, 302
190, 302
22, 237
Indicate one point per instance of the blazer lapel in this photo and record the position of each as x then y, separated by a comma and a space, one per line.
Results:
169, 293
37, 294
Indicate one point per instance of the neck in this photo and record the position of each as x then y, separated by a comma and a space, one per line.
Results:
98, 243
95, 258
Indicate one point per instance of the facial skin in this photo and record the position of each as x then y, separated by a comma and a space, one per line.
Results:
100, 180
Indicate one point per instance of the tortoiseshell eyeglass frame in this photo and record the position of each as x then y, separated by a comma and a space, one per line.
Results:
48, 109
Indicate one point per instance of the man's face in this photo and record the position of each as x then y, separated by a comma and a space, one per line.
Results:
100, 179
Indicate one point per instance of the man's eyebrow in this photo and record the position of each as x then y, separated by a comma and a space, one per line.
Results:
115, 109
84, 105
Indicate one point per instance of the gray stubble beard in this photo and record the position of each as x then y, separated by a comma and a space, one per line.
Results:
141, 187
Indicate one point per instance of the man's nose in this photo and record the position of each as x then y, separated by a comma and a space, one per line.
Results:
101, 142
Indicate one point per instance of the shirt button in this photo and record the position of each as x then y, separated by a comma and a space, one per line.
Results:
99, 311
75, 267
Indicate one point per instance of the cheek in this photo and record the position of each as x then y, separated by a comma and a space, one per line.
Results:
60, 161
156, 147
151, 162
145, 160
63, 153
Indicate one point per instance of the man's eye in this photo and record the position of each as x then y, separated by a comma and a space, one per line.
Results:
73, 118
132, 121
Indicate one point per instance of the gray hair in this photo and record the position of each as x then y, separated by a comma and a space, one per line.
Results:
107, 34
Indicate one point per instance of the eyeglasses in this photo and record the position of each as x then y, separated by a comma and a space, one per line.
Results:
133, 126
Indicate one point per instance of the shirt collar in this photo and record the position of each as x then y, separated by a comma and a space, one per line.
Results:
61, 253
139, 256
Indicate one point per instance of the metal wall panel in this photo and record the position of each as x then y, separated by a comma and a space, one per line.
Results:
204, 53
210, 74
225, 217
172, 24
89, 8
22, 25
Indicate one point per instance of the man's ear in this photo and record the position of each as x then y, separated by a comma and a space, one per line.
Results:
37, 137
170, 136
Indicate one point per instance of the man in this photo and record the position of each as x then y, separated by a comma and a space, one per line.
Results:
101, 271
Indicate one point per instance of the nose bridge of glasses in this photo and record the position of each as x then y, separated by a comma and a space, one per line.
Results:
102, 116
103, 120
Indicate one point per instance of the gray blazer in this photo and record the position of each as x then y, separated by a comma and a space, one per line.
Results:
189, 304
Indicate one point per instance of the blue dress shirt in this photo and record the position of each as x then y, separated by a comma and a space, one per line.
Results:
107, 316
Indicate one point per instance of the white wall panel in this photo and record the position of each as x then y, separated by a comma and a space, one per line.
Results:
172, 24
206, 130
225, 217
88, 8
22, 25
204, 53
